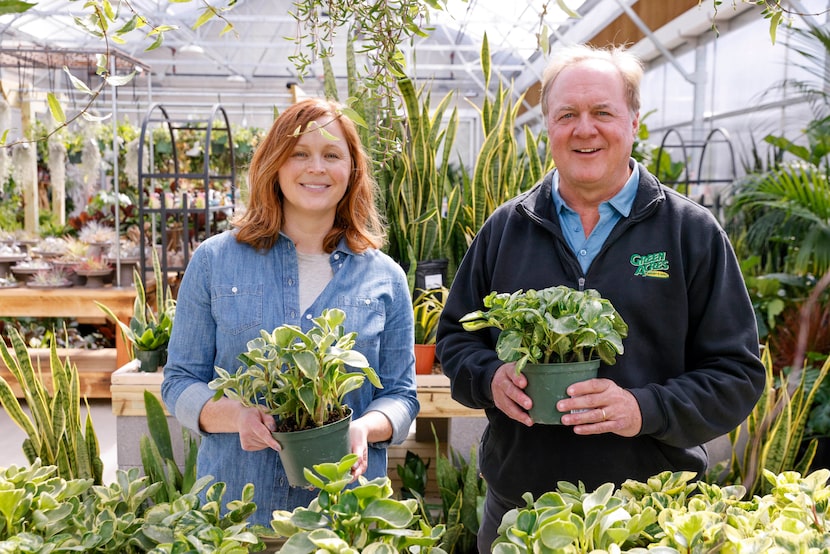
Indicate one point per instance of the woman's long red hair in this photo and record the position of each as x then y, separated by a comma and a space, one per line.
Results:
357, 218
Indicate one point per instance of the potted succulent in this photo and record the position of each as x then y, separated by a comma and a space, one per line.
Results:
95, 270
558, 332
427, 307
149, 329
301, 378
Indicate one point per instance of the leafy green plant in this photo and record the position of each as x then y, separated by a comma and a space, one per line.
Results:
416, 181
301, 378
427, 307
786, 215
157, 453
55, 432
574, 520
413, 475
190, 525
502, 168
775, 428
363, 518
672, 515
149, 328
462, 491
556, 324
42, 512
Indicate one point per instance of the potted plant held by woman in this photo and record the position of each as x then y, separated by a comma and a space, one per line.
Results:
302, 378
557, 336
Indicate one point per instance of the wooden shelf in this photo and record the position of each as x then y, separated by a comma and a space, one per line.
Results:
129, 384
76, 302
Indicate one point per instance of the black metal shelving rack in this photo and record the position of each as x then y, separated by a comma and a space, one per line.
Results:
195, 222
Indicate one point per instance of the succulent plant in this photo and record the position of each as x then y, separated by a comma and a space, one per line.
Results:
54, 277
96, 233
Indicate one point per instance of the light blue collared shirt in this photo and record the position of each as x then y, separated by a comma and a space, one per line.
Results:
610, 212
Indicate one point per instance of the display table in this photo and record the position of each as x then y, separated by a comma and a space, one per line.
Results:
94, 367
437, 410
128, 386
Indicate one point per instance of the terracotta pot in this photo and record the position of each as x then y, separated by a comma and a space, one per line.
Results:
424, 358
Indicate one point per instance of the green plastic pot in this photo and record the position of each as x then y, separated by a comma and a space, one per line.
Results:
548, 383
306, 448
150, 360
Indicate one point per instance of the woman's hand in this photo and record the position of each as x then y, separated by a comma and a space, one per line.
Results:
229, 416
359, 445
255, 427
371, 427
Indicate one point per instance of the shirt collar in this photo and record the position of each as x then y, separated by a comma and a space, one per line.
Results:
623, 201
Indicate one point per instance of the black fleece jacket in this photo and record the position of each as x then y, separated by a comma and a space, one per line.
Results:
691, 357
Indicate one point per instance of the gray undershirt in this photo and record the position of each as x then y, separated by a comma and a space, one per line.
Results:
315, 273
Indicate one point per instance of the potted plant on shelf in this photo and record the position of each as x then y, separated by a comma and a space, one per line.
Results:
95, 270
301, 378
427, 307
557, 336
149, 329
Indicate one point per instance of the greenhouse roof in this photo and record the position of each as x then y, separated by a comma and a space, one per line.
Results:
251, 65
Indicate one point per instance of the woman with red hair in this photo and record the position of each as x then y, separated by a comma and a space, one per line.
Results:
309, 239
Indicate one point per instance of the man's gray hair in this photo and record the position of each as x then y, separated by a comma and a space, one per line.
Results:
629, 66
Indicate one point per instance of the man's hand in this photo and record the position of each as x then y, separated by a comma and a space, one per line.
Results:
508, 394
604, 406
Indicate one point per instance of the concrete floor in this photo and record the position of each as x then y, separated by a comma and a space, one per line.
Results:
12, 436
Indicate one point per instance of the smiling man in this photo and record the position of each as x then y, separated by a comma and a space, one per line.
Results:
691, 369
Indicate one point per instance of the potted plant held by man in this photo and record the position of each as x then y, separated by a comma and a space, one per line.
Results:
557, 336
302, 378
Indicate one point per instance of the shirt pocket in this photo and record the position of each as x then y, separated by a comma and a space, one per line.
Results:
237, 308
365, 315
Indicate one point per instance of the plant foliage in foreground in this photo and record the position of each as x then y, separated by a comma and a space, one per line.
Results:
669, 514
364, 518
42, 512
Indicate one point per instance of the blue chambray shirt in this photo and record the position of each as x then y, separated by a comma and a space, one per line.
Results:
228, 293
610, 212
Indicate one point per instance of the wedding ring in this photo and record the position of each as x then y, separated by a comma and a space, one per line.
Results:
604, 417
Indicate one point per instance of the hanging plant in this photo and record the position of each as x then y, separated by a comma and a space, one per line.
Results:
90, 160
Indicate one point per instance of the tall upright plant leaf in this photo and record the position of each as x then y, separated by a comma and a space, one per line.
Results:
54, 430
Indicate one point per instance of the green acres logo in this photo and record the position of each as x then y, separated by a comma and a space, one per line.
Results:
651, 265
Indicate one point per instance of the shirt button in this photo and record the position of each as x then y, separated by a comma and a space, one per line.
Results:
583, 252
233, 290
367, 301
337, 256
291, 282
293, 314
308, 316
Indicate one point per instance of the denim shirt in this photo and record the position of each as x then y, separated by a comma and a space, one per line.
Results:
229, 292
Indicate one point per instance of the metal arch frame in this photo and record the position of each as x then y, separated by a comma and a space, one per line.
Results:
185, 211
